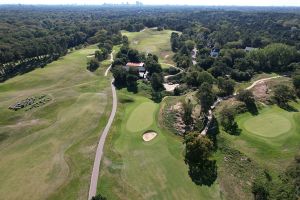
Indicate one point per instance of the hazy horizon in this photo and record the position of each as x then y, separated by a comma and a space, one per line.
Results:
160, 2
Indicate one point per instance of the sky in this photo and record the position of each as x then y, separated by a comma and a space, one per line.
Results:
163, 2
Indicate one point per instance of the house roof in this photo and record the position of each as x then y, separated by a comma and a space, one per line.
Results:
131, 64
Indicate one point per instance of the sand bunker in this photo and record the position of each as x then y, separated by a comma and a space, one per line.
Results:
148, 136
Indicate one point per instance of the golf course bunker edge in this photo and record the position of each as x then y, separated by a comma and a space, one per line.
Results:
149, 135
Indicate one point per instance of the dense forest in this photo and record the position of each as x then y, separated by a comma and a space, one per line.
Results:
31, 36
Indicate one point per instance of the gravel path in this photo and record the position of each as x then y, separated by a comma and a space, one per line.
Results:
219, 100
260, 81
99, 152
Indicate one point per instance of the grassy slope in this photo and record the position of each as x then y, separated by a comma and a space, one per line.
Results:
152, 41
273, 153
134, 169
47, 152
245, 84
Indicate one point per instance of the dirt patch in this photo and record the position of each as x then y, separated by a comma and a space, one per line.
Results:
170, 87
261, 91
149, 135
179, 124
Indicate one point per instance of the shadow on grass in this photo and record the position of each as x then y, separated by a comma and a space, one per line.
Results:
288, 107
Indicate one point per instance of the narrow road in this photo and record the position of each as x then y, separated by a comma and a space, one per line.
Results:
168, 76
111, 59
99, 152
219, 100
260, 81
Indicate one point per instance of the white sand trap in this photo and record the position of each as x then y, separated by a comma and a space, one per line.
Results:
91, 56
170, 87
148, 136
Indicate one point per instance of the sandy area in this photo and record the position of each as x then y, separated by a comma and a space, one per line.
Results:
148, 136
170, 87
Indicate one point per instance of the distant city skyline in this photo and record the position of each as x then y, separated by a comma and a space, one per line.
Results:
162, 2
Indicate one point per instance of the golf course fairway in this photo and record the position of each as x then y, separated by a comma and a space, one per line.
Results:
47, 152
135, 169
152, 41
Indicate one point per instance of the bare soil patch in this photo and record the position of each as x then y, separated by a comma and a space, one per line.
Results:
170, 87
261, 91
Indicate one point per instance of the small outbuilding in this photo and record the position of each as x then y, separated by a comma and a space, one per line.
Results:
140, 66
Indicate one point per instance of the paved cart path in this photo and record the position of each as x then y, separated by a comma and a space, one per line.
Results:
99, 152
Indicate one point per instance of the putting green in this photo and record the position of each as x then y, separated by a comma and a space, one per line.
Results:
141, 117
268, 125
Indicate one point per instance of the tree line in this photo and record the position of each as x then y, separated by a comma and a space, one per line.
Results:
31, 32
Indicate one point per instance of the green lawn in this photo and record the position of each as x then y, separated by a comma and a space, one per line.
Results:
267, 124
48, 152
153, 41
134, 169
272, 138
141, 117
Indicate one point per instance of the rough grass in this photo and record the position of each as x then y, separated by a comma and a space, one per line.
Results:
153, 41
274, 153
134, 169
48, 152
245, 84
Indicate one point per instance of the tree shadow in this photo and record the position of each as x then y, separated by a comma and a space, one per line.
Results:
288, 107
204, 173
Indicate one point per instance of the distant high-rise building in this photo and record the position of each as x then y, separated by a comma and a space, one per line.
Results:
138, 3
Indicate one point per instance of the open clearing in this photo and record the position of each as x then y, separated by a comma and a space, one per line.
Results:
153, 41
48, 152
272, 138
134, 169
